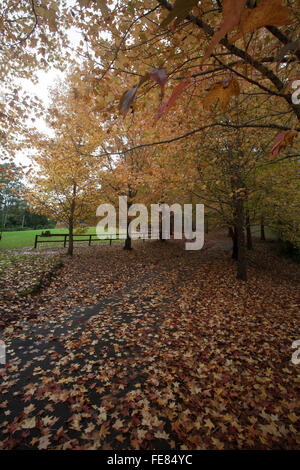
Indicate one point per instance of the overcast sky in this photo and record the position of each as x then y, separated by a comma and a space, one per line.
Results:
46, 80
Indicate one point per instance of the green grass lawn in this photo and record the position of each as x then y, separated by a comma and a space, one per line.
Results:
21, 239
13, 240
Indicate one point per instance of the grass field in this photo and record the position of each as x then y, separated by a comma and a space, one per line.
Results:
22, 239
13, 240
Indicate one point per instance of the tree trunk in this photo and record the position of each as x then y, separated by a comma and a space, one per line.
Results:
127, 245
206, 226
262, 230
71, 243
71, 222
233, 234
241, 261
160, 228
171, 225
249, 234
238, 189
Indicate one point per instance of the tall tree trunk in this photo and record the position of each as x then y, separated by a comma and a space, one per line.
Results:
238, 189
171, 224
160, 228
262, 230
71, 243
249, 234
233, 234
241, 261
71, 222
127, 245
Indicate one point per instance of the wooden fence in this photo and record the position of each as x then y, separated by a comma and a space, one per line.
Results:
64, 238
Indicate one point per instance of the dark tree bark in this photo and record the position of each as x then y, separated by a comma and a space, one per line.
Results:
241, 261
206, 226
160, 228
71, 243
249, 234
238, 189
171, 224
262, 230
127, 245
233, 234
71, 222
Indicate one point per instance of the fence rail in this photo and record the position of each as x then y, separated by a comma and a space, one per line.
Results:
89, 238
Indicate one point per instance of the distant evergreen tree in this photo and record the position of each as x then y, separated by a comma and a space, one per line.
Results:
14, 211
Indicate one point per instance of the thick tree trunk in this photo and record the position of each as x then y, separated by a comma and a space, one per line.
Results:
233, 234
249, 234
262, 230
127, 245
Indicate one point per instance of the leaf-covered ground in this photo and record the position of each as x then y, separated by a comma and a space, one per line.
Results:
22, 274
158, 348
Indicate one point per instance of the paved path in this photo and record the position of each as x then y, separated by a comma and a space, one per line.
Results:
89, 378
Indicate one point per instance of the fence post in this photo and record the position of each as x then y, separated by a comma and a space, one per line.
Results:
110, 240
36, 241
90, 240
65, 241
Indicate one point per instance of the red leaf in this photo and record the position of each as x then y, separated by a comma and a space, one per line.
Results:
164, 109
160, 77
232, 10
276, 145
282, 140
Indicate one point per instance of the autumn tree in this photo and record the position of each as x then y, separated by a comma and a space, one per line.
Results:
66, 182
33, 36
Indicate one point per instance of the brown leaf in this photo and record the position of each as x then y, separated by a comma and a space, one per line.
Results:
232, 10
180, 10
127, 100
221, 91
267, 13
